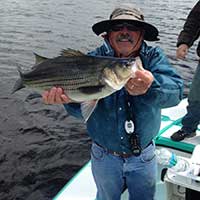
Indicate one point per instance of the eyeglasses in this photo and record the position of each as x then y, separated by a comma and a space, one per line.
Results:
120, 27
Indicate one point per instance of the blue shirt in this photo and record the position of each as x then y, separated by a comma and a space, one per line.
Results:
106, 124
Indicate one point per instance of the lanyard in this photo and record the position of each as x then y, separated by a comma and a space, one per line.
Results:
129, 125
129, 128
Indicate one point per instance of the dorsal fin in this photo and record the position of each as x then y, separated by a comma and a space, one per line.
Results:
39, 59
19, 83
71, 52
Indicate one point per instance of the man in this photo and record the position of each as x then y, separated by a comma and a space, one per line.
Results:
188, 35
123, 124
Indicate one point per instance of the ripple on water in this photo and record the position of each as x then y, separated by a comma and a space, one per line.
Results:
41, 145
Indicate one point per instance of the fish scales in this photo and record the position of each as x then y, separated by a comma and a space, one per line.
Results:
65, 84
59, 70
68, 79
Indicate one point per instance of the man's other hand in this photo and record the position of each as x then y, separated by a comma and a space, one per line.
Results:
55, 96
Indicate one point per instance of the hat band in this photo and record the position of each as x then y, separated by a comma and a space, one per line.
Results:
126, 17
126, 12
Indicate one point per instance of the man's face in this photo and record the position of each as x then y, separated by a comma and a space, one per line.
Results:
125, 39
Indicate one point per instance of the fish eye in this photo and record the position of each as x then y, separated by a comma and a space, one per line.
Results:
127, 64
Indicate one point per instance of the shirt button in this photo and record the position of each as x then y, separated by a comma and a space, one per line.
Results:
120, 108
122, 138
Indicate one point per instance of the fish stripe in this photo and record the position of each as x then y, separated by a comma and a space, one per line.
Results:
69, 84
56, 72
81, 80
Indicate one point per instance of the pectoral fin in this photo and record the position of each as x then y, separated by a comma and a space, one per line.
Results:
87, 108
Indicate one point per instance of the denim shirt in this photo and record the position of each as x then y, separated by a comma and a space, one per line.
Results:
106, 124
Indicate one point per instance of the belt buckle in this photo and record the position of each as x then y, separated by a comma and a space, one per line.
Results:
115, 153
125, 155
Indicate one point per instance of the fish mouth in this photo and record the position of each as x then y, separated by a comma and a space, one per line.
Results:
117, 77
111, 79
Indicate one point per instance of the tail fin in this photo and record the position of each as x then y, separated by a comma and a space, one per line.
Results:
19, 83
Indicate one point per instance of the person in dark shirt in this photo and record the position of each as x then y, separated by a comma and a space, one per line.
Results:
187, 36
123, 125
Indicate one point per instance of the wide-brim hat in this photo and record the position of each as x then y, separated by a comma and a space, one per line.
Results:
131, 15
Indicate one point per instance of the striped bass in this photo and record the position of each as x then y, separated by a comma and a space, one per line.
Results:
82, 77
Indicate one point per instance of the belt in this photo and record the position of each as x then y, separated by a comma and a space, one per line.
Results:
121, 154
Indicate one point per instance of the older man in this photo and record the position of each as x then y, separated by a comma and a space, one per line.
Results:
123, 124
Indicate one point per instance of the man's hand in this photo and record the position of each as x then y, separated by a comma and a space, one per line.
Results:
140, 83
182, 51
55, 96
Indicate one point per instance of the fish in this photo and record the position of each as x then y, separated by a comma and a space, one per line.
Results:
83, 77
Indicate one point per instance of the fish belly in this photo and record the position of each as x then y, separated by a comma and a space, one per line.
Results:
79, 96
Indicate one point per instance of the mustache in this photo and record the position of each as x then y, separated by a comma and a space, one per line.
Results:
125, 37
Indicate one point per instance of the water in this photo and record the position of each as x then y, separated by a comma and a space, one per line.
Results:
41, 146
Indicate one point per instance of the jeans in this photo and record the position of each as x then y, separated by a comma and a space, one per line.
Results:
191, 120
112, 174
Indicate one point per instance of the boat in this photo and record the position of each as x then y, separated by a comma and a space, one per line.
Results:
169, 185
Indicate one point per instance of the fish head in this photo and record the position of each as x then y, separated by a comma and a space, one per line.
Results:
120, 72
124, 69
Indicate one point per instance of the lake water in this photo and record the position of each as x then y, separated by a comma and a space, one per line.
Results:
41, 146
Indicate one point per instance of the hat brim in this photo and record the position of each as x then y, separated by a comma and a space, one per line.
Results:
151, 32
